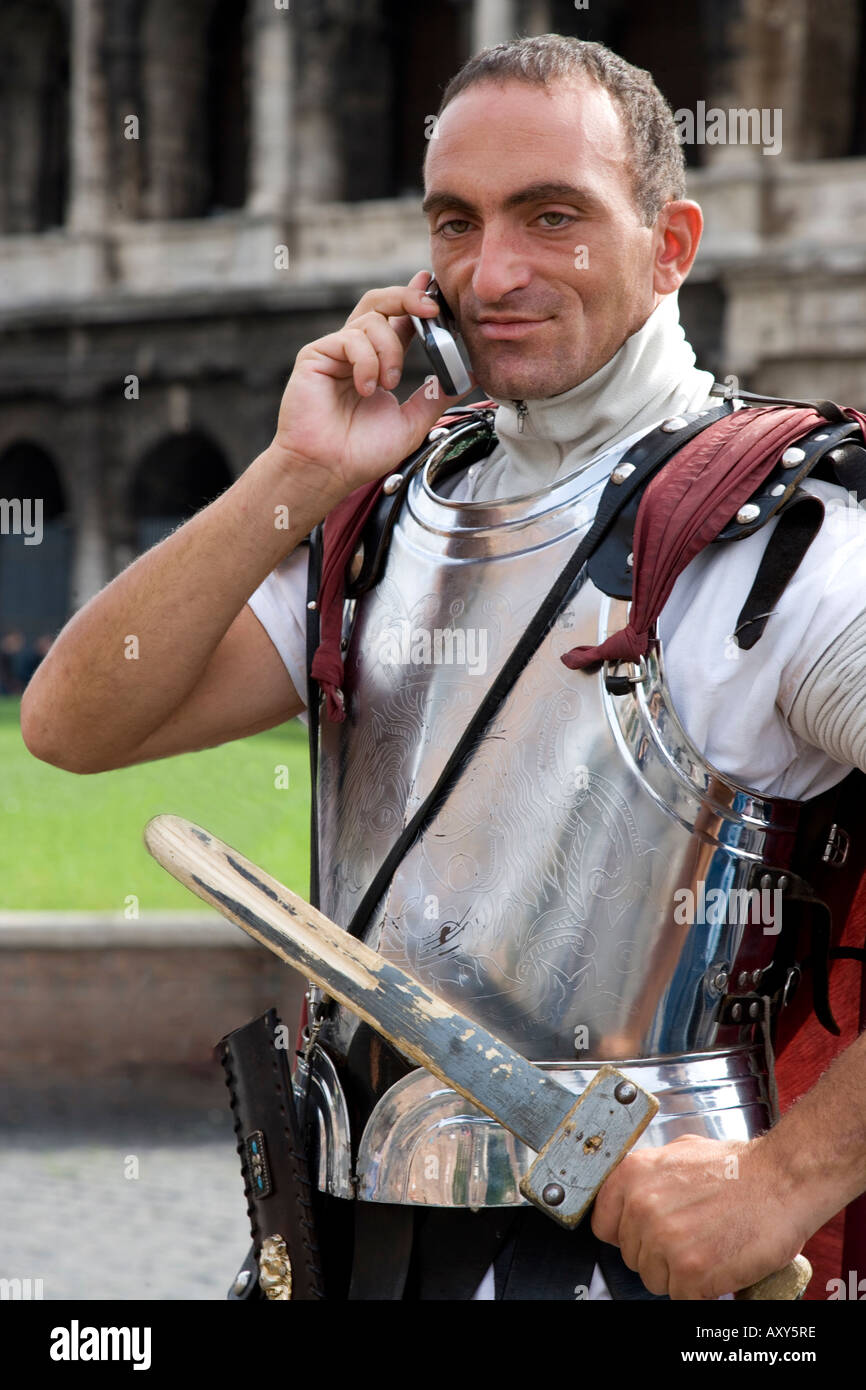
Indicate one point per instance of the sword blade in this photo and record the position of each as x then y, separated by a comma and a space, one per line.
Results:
421, 1025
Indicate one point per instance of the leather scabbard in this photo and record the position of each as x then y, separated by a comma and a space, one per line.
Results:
273, 1164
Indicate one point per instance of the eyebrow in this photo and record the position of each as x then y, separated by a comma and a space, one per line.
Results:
534, 193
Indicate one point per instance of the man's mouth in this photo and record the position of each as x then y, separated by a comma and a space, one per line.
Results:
508, 328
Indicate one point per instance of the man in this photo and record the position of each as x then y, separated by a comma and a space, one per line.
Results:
559, 237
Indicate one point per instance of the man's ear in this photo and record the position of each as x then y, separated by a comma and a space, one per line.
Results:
677, 236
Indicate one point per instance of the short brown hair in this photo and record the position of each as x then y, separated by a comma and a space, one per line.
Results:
657, 162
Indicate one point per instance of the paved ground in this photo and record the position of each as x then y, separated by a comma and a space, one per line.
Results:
74, 1214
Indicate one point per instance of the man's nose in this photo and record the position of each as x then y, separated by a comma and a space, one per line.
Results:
500, 267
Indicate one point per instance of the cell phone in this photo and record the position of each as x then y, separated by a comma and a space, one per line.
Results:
443, 346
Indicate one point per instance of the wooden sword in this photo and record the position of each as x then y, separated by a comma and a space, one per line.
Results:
579, 1141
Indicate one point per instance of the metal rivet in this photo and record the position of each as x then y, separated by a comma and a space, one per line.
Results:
438, 432
820, 436
777, 490
720, 980
783, 882
754, 1010
793, 456
392, 483
312, 605
241, 1282
620, 474
625, 1092
676, 422
737, 1012
756, 976
748, 513
743, 979
553, 1194
766, 880
629, 559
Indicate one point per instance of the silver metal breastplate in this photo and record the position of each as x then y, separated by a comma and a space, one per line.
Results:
545, 900
588, 890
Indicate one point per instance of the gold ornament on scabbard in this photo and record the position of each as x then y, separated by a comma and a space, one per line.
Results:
275, 1269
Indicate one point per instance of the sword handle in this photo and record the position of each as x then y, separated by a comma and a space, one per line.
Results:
788, 1283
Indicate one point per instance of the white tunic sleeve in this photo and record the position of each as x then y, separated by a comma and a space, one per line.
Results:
280, 604
734, 704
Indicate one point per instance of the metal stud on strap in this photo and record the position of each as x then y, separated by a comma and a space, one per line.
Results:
748, 513
792, 456
620, 474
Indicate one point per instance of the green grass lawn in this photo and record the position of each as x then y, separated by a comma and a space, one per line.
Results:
75, 842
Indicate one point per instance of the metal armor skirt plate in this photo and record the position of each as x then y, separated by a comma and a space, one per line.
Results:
588, 891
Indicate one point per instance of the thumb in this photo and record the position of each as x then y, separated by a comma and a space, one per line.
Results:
424, 407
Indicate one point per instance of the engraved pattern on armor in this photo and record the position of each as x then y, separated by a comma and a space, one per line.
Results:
540, 899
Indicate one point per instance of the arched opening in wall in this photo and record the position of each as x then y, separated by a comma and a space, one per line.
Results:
228, 106
195, 98
428, 44
670, 38
34, 117
175, 479
35, 560
857, 142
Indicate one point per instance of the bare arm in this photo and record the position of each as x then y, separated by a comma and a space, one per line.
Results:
166, 658
244, 689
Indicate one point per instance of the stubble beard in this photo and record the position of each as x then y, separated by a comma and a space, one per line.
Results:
523, 378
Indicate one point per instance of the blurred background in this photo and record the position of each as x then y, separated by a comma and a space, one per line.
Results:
188, 194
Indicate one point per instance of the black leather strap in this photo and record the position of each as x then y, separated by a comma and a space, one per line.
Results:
314, 573
795, 531
819, 451
828, 452
382, 1251
545, 1263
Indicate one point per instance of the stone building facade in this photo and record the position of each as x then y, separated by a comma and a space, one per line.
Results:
189, 193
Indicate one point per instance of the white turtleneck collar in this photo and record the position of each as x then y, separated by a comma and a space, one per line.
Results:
652, 376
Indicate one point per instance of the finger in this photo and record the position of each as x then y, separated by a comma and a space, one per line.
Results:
397, 300
388, 346
685, 1288
403, 325
653, 1270
361, 353
629, 1247
608, 1207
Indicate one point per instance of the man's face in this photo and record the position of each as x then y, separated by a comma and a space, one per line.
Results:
536, 240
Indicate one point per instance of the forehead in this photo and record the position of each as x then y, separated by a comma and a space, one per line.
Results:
495, 136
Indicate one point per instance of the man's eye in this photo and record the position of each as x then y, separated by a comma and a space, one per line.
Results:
564, 217
457, 225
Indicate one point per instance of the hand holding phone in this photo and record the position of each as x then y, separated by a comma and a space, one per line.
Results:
443, 346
